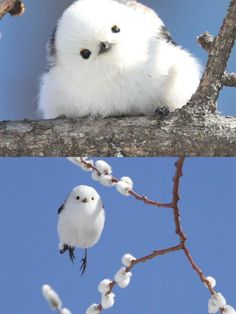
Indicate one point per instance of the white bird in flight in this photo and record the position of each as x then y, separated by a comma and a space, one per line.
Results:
80, 221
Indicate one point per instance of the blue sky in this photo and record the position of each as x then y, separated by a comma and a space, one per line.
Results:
23, 41
32, 189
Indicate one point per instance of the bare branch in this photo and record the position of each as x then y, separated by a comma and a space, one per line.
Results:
137, 196
229, 79
206, 41
178, 229
14, 7
219, 53
143, 260
182, 133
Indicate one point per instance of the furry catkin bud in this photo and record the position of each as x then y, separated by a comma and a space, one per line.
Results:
212, 281
219, 300
93, 309
228, 309
127, 259
123, 188
106, 180
103, 167
52, 297
122, 278
65, 311
107, 300
212, 307
128, 180
104, 286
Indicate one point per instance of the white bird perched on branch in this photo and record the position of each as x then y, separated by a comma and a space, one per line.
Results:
110, 58
80, 222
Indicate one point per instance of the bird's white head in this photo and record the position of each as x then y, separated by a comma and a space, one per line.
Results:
104, 34
84, 196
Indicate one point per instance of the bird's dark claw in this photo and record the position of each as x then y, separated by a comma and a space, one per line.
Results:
72, 254
162, 112
70, 249
83, 263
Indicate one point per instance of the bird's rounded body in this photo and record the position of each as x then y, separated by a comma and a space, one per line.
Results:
80, 223
142, 69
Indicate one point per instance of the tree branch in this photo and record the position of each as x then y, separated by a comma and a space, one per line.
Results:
181, 133
178, 230
229, 79
206, 41
14, 7
219, 52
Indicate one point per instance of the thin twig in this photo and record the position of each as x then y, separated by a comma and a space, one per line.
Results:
137, 196
143, 260
177, 219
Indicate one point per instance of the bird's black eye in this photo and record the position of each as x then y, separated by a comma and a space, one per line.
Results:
85, 53
77, 197
92, 198
115, 29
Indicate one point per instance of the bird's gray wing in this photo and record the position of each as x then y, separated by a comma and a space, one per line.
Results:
165, 34
51, 50
61, 208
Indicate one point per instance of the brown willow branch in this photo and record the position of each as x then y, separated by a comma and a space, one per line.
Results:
178, 229
143, 260
14, 7
219, 53
177, 219
137, 196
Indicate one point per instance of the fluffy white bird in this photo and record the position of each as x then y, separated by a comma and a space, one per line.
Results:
80, 222
111, 57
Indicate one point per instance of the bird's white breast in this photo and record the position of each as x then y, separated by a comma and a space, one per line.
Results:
168, 76
80, 228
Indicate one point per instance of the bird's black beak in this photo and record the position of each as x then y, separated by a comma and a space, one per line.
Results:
104, 47
85, 200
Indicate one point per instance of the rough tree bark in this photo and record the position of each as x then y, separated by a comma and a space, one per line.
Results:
14, 7
194, 130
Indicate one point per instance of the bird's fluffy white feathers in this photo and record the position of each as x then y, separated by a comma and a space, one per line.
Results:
80, 224
141, 72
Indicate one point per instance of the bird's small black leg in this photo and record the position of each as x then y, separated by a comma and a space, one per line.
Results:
71, 254
64, 249
70, 249
83, 263
162, 112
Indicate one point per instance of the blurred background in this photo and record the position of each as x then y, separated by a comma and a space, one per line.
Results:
32, 189
23, 41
